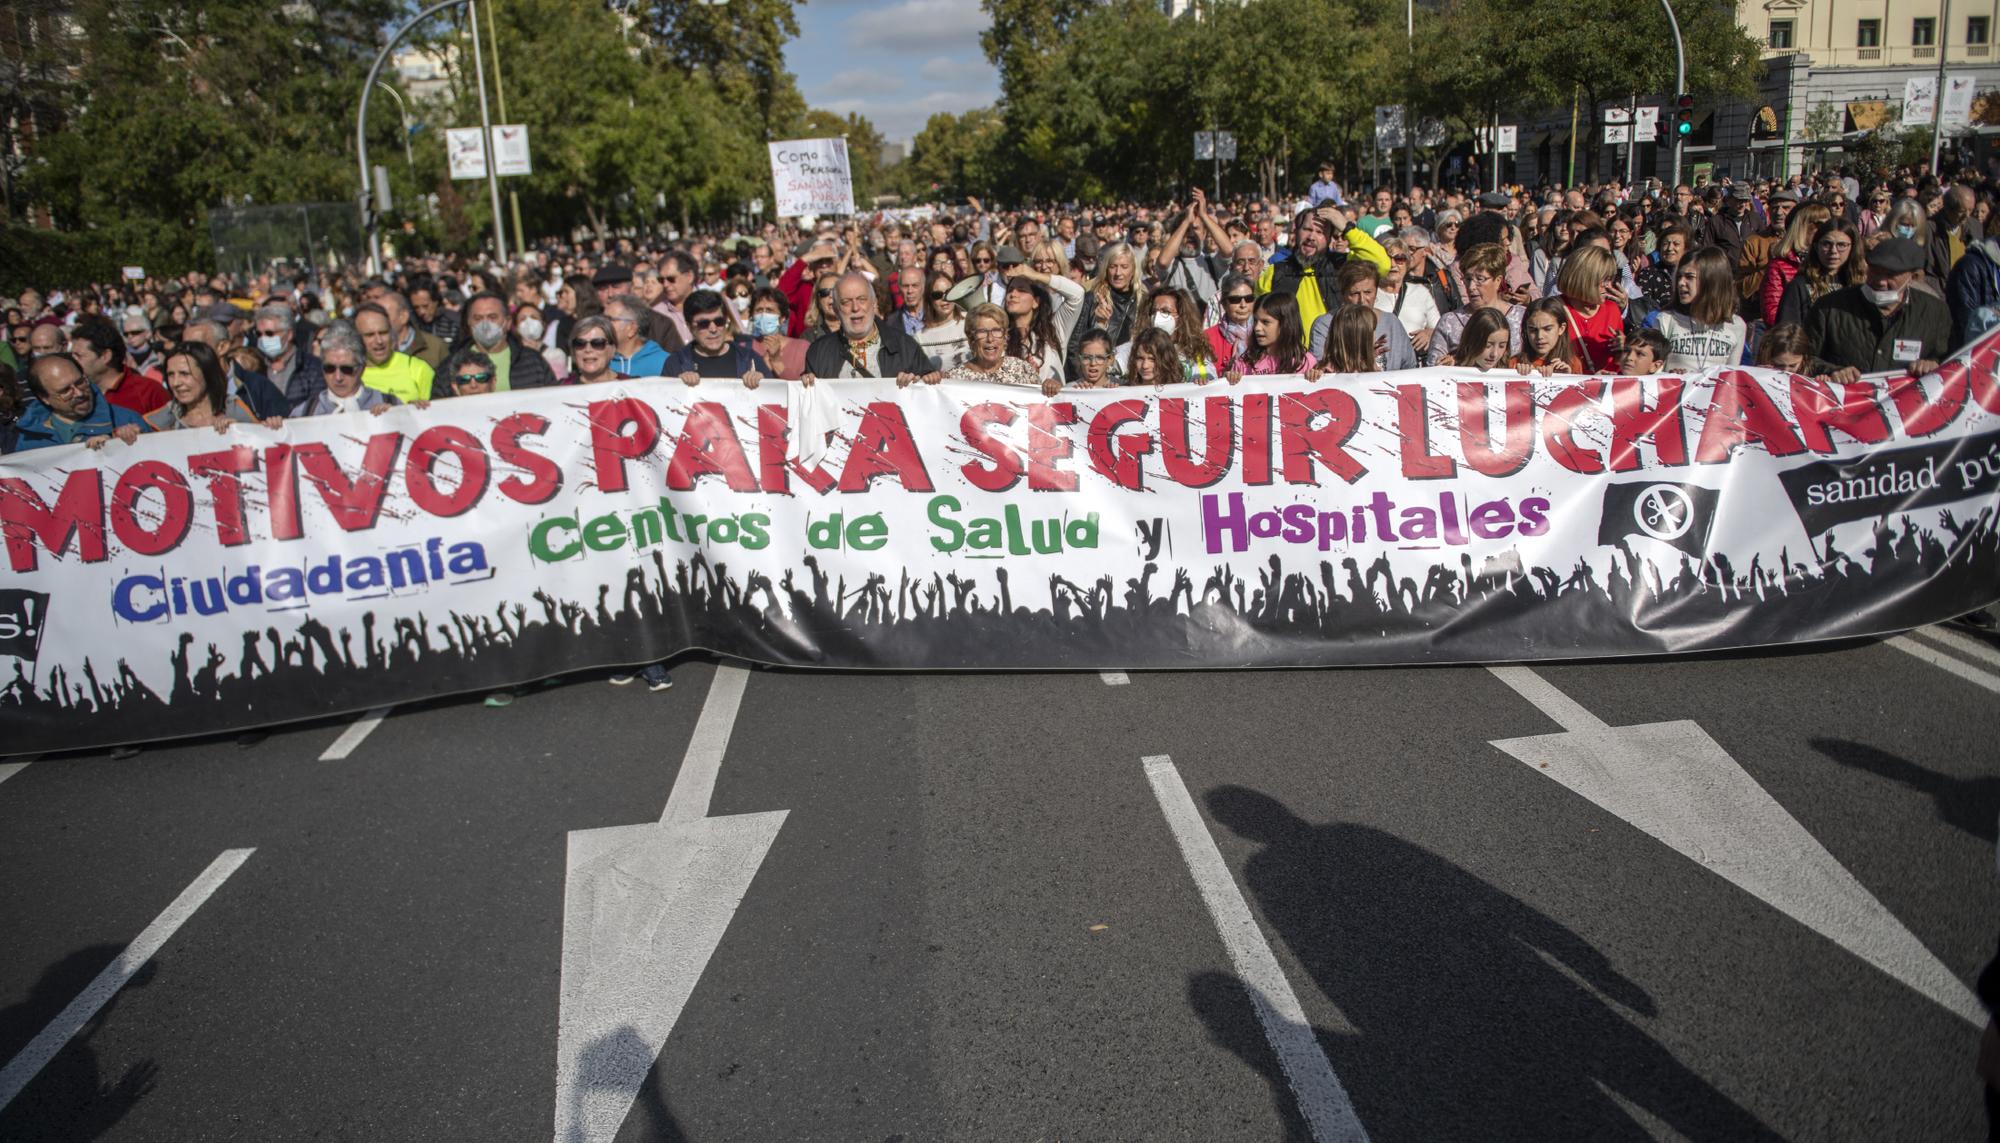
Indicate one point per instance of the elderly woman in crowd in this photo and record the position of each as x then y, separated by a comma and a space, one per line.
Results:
342, 358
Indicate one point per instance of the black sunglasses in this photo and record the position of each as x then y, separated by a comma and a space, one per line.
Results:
1239, 299
826, 293
340, 370
590, 343
938, 295
708, 323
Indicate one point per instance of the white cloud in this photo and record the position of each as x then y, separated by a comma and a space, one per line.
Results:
920, 25
899, 120
941, 69
856, 83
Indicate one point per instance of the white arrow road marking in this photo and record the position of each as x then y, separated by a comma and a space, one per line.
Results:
9, 769
122, 968
644, 907
355, 733
1323, 1102
1674, 782
1114, 678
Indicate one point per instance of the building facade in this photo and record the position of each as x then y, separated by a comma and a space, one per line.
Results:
1835, 72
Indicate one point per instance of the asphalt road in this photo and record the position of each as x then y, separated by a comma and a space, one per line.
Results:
978, 922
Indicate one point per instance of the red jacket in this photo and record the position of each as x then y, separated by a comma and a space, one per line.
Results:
139, 393
797, 286
1777, 276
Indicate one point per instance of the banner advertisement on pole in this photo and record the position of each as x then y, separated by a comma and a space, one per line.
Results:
1919, 100
510, 150
196, 583
462, 150
811, 177
1958, 96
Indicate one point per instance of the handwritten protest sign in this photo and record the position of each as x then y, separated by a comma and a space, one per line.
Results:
811, 177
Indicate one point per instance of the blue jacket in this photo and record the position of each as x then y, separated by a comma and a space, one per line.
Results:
1973, 292
650, 361
38, 426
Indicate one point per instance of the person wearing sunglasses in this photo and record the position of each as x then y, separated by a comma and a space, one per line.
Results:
591, 347
1230, 335
469, 373
343, 357
716, 352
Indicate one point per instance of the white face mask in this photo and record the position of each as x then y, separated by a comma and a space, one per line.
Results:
1882, 299
530, 329
488, 333
1164, 321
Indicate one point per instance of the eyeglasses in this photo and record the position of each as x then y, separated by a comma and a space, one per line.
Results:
1399, 257
1240, 299
74, 388
590, 343
982, 261
825, 293
1094, 358
473, 378
340, 370
987, 333
708, 323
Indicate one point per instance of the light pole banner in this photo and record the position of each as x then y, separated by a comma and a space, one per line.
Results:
462, 150
197, 583
510, 150
811, 177
1919, 100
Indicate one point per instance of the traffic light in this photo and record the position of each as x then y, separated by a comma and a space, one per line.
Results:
1684, 115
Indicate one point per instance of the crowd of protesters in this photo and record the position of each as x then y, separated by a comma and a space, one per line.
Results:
1816, 275
1829, 276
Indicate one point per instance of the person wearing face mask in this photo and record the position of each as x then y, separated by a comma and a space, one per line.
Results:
769, 318
485, 325
1883, 324
529, 326
293, 370
1906, 219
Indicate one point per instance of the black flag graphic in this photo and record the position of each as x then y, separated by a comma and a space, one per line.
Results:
1677, 514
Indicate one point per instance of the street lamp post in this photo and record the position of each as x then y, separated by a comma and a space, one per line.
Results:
368, 223
402, 113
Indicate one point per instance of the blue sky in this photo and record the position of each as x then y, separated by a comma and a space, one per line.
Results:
895, 61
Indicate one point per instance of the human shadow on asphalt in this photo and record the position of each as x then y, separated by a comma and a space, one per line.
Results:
603, 1062
69, 1098
1970, 804
1475, 1016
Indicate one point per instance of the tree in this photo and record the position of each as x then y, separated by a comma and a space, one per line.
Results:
178, 109
954, 156
739, 46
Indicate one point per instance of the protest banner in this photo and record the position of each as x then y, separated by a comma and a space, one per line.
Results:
811, 177
199, 582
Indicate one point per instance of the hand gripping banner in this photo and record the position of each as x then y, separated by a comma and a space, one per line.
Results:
199, 582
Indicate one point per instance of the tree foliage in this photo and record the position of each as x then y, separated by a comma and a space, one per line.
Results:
176, 109
954, 156
1102, 99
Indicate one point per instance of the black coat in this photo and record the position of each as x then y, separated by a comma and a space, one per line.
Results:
900, 352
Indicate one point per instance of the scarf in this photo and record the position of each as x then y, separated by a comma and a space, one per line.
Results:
1237, 334
857, 351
